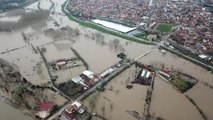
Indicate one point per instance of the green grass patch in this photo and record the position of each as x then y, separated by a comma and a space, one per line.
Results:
142, 36
181, 84
164, 28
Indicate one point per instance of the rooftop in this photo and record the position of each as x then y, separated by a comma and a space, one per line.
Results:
88, 73
46, 106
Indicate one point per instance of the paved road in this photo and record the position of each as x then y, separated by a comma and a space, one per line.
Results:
93, 89
102, 81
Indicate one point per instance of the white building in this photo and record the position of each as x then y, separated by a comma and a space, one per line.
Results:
89, 74
107, 72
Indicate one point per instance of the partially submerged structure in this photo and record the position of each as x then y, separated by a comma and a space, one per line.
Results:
145, 74
180, 81
76, 111
166, 74
86, 78
79, 84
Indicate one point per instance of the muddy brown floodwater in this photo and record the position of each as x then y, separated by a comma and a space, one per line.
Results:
116, 100
99, 50
170, 104
9, 113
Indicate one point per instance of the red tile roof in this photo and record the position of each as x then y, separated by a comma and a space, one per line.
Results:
70, 116
166, 71
45, 106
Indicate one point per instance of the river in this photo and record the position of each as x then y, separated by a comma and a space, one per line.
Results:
9, 113
100, 54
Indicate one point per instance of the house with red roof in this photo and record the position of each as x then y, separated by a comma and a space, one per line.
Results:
166, 74
73, 111
69, 116
44, 109
46, 106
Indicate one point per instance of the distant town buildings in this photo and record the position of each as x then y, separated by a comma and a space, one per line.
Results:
192, 21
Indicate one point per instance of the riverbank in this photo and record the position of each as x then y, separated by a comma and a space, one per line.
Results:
127, 37
103, 29
203, 65
10, 105
8, 6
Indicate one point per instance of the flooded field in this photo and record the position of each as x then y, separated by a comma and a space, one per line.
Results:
100, 51
6, 111
171, 95
34, 19
169, 104
68, 71
116, 100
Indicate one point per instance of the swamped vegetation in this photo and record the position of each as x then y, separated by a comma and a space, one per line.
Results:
142, 35
181, 84
6, 5
71, 89
198, 108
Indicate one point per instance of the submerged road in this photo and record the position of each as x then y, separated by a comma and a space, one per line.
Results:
144, 54
93, 89
100, 83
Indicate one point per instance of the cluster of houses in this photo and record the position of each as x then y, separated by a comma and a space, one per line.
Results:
86, 78
166, 74
192, 20
76, 111
122, 9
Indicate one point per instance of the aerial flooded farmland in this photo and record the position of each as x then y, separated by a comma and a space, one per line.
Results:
55, 66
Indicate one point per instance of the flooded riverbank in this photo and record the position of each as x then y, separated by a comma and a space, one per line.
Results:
169, 94
170, 104
6, 110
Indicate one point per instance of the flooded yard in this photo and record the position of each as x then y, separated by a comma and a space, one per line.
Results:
116, 100
171, 95
169, 104
68, 71
6, 110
